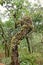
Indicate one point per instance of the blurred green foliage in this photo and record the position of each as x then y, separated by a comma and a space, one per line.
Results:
19, 11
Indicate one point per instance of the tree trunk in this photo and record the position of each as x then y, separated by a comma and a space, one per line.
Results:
14, 56
29, 47
6, 50
5, 41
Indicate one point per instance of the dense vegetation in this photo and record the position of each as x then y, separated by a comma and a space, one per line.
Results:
16, 10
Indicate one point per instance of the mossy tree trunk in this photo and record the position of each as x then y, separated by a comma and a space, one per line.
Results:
25, 29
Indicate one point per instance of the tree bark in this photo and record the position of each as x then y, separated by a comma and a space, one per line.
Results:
14, 56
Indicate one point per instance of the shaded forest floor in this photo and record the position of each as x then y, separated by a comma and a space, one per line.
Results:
35, 58
25, 58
